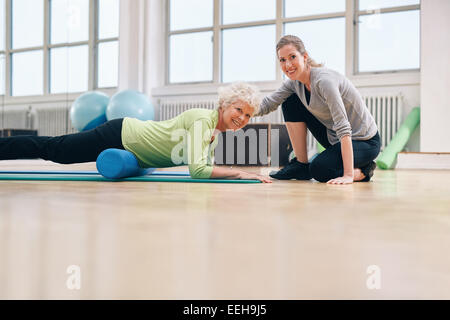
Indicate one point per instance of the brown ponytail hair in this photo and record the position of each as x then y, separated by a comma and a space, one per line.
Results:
298, 44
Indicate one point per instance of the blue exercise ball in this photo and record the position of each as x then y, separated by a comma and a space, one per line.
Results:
89, 110
130, 103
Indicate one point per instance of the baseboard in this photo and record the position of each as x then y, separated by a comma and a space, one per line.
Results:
423, 160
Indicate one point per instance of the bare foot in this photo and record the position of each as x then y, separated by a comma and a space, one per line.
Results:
358, 175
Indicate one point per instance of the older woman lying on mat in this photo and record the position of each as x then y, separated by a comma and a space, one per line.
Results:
188, 138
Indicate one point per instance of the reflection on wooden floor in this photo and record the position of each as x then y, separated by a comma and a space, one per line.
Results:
286, 240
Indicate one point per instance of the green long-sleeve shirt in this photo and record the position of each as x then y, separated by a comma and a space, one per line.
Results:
183, 140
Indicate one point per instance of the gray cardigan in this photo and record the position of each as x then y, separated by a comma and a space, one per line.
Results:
334, 101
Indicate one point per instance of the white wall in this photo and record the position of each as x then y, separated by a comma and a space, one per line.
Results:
155, 51
411, 99
131, 44
435, 76
141, 50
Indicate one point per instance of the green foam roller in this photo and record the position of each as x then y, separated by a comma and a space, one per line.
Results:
320, 148
389, 155
291, 155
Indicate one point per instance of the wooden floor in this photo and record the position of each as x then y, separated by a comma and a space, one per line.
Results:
285, 240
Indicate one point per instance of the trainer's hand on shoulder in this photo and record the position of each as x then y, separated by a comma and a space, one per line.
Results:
252, 176
341, 180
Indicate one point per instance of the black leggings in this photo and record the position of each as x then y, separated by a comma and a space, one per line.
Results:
328, 164
71, 148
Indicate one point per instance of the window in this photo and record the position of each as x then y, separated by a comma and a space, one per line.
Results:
69, 21
58, 46
238, 11
27, 44
228, 40
27, 73
321, 27
2, 74
108, 44
108, 55
69, 69
28, 23
2, 25
299, 8
2, 46
248, 54
191, 41
241, 45
69, 50
378, 4
191, 57
388, 35
191, 14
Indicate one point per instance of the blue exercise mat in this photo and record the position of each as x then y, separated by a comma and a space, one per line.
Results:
99, 178
154, 173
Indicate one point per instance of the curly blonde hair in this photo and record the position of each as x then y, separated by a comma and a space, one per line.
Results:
239, 91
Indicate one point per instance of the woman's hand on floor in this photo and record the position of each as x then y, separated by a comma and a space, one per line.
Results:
252, 176
341, 180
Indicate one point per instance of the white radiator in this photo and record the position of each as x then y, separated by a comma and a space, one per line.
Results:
387, 111
170, 108
52, 121
13, 119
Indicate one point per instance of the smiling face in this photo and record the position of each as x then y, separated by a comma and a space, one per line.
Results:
292, 62
236, 115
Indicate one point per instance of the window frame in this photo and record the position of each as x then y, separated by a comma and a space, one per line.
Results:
93, 30
351, 16
92, 43
356, 23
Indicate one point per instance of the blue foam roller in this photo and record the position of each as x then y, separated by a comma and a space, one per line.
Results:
119, 164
